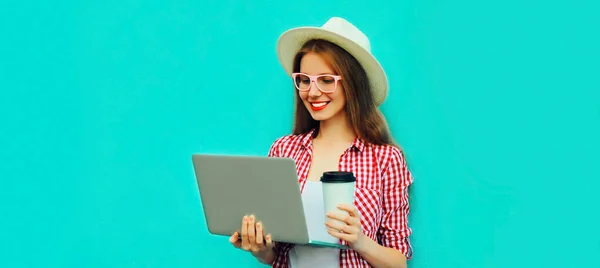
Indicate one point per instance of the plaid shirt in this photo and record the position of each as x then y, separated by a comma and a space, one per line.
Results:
382, 179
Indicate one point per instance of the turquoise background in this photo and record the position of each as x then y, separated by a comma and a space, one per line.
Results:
497, 104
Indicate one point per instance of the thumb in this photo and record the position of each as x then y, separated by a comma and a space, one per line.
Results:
233, 239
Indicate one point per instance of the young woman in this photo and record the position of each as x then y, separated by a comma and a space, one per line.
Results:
338, 126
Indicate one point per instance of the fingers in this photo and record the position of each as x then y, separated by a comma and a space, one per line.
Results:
245, 240
259, 235
350, 209
350, 238
253, 236
344, 217
344, 224
354, 221
339, 226
356, 239
251, 231
269, 241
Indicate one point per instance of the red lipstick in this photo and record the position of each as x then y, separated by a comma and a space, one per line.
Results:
317, 106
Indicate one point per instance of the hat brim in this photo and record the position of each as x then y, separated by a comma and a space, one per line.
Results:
291, 41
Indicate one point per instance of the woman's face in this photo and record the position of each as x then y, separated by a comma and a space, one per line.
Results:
321, 105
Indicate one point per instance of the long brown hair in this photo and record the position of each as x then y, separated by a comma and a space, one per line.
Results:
363, 115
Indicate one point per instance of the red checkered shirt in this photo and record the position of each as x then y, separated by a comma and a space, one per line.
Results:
382, 180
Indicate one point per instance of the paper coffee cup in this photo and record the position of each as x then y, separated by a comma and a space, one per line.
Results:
338, 188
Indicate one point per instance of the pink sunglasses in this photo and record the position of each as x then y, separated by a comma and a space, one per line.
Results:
326, 83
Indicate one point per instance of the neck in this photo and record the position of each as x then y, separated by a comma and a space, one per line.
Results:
336, 130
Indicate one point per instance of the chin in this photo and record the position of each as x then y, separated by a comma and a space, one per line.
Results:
320, 117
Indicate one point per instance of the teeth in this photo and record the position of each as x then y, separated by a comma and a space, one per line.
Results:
319, 104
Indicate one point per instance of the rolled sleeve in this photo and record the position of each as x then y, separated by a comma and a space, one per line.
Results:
394, 231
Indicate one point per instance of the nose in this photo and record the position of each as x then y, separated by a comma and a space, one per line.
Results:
313, 91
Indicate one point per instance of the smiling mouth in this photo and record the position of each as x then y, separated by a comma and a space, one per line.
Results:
317, 106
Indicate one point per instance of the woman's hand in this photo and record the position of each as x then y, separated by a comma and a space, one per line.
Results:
346, 226
253, 240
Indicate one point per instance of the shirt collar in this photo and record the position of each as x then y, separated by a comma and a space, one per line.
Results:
307, 139
358, 143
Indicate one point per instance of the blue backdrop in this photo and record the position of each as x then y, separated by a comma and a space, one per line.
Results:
497, 104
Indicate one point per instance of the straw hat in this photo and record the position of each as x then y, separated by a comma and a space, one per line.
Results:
342, 33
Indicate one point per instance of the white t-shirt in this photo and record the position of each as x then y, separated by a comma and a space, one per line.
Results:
311, 257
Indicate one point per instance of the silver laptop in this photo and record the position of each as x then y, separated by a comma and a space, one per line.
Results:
233, 186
